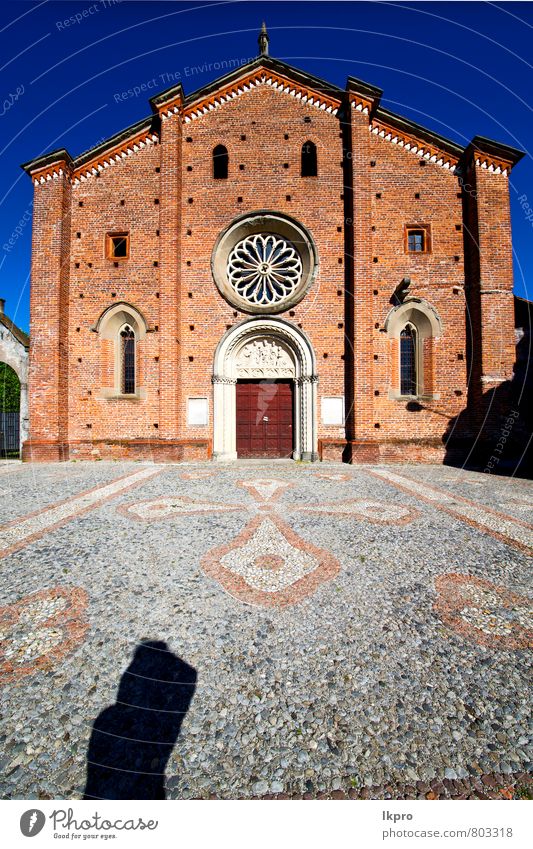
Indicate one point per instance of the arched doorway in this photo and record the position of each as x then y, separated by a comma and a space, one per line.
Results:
265, 392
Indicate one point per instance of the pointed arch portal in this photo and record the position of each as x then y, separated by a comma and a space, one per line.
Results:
265, 352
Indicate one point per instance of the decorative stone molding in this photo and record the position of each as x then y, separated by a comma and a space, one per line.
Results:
168, 113
361, 105
78, 173
489, 164
264, 262
420, 313
168, 102
111, 157
490, 155
306, 378
425, 323
413, 145
363, 97
47, 175
228, 381
267, 348
264, 358
262, 77
118, 314
108, 327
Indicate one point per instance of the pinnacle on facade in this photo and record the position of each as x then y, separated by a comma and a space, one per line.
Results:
263, 40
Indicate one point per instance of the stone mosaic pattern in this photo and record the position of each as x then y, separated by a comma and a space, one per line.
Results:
339, 477
378, 682
198, 474
25, 529
509, 529
371, 511
39, 630
265, 489
491, 615
270, 565
24, 489
510, 496
165, 508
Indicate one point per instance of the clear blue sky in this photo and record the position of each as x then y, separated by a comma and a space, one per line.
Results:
459, 68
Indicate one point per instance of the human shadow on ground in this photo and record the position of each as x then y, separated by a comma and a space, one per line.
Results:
132, 740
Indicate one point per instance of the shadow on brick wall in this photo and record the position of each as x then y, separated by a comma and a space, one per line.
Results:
494, 434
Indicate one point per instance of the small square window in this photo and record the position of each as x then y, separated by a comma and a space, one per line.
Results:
417, 240
118, 245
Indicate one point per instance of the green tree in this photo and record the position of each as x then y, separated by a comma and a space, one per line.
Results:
9, 389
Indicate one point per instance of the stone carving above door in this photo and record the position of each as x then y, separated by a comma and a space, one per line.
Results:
264, 358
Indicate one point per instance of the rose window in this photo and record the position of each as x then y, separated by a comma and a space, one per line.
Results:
264, 269
264, 263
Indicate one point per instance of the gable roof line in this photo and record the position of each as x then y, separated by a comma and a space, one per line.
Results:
417, 130
166, 103
270, 64
264, 74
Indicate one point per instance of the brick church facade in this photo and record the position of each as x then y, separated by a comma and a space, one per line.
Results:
269, 266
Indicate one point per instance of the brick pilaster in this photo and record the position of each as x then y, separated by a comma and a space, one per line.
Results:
170, 249
359, 319
488, 276
48, 372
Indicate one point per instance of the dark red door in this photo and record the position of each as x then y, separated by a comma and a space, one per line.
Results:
264, 418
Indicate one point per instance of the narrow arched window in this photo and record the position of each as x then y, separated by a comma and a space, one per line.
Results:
127, 360
309, 164
408, 361
220, 162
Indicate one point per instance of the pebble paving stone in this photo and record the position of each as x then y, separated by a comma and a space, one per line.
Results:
341, 636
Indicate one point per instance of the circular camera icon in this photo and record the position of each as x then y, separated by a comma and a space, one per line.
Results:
32, 822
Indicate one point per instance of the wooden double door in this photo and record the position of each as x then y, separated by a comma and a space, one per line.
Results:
265, 413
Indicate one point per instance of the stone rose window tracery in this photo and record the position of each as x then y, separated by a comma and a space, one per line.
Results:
264, 262
264, 269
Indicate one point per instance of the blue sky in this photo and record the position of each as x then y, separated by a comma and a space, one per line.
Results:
458, 68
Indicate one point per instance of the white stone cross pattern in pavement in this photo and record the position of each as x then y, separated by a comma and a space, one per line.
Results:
512, 531
20, 532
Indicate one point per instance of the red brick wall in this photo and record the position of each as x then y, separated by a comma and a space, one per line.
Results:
166, 197
495, 284
48, 402
264, 116
362, 345
137, 281
397, 177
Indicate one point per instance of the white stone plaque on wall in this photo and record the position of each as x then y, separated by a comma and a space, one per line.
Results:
197, 411
333, 411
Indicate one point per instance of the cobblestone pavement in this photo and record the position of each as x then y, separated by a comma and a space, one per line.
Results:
264, 629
